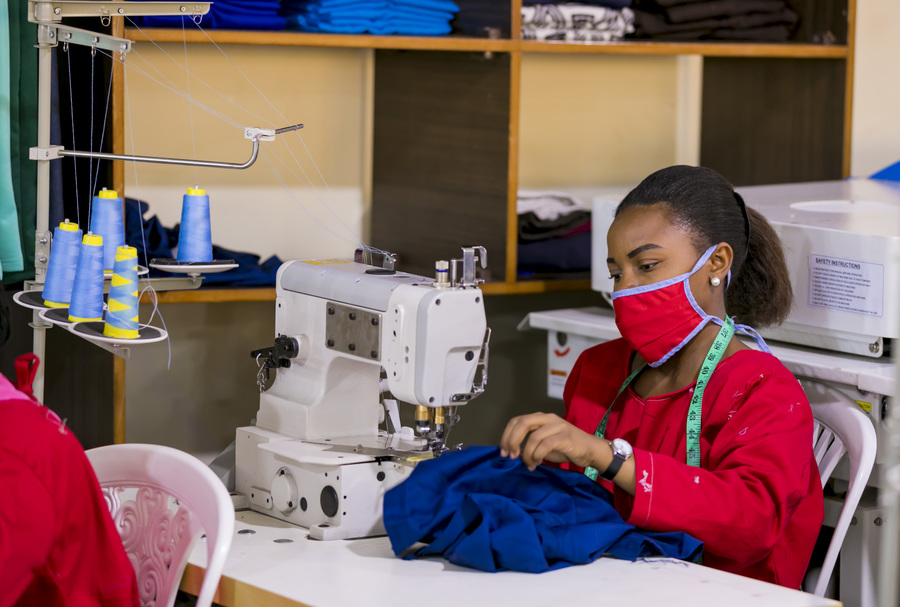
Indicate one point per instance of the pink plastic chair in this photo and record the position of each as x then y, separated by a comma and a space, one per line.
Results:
162, 500
841, 428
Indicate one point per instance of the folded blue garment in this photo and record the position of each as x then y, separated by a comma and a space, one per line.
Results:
410, 28
566, 253
480, 510
301, 23
229, 14
441, 5
155, 240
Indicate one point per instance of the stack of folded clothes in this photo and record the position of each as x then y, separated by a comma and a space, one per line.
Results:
231, 14
554, 233
751, 20
383, 17
585, 21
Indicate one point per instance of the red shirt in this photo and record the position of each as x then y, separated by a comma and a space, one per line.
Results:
756, 500
58, 544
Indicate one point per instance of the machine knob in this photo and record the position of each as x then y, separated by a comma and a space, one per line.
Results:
284, 491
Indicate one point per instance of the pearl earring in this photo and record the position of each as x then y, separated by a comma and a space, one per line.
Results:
715, 281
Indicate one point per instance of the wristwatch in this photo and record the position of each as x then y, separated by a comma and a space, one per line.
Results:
621, 452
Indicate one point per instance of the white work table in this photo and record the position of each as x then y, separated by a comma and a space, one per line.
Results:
344, 573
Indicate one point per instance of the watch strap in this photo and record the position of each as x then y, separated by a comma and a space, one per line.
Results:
615, 465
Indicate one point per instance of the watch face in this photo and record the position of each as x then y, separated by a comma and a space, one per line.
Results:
623, 447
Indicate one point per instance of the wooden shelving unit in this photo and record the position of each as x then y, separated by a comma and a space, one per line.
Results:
472, 109
467, 44
446, 143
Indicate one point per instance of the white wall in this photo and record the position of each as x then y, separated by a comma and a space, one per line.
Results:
590, 120
280, 205
876, 87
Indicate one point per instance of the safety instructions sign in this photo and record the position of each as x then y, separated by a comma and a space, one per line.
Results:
846, 285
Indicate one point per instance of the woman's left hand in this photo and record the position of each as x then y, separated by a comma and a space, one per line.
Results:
539, 437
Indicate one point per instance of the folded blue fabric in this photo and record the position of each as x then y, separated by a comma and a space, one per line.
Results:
480, 510
155, 240
383, 17
229, 14
566, 253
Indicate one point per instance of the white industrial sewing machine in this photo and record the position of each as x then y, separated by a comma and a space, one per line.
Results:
347, 333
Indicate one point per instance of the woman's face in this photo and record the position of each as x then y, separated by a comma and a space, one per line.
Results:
646, 246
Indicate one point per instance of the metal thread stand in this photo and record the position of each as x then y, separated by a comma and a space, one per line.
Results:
48, 15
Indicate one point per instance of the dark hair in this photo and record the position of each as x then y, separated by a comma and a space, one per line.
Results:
704, 204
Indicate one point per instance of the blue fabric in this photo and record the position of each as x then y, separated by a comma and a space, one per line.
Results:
480, 510
891, 173
160, 242
229, 14
405, 17
566, 254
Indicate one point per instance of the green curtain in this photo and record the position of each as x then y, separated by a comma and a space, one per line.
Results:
23, 89
10, 243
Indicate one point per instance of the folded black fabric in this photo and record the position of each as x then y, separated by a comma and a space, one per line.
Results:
653, 24
532, 227
769, 33
721, 8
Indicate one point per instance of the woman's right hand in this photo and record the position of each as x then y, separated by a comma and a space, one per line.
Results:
540, 437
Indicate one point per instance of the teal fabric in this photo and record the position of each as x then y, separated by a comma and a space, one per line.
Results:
23, 89
10, 243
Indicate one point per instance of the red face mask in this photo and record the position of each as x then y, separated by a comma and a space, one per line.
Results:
658, 320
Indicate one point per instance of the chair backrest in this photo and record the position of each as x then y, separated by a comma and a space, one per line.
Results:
162, 500
841, 428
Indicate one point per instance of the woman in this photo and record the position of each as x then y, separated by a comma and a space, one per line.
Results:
709, 436
58, 544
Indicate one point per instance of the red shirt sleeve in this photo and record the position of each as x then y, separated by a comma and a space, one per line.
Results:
755, 474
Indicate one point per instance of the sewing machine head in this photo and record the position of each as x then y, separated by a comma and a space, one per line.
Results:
349, 332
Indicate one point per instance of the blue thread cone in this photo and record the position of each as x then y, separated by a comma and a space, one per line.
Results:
194, 238
62, 265
122, 308
87, 292
107, 220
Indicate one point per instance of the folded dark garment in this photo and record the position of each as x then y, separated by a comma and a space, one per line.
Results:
568, 254
153, 240
532, 227
480, 510
769, 33
721, 8
667, 3
652, 24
